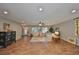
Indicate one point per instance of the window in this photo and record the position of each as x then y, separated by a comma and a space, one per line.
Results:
77, 26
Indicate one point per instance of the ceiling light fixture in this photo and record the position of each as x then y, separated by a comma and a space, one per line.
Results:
41, 23
5, 12
73, 11
40, 9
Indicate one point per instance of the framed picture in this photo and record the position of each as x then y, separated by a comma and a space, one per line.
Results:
6, 27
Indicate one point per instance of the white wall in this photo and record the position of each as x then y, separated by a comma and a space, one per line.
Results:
67, 30
14, 26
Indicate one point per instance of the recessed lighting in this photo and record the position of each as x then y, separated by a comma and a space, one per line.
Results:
40, 9
73, 11
5, 12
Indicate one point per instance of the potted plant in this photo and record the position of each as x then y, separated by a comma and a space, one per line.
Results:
51, 30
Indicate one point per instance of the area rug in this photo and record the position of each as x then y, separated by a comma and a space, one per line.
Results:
40, 39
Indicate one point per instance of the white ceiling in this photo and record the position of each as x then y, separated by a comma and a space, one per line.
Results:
53, 13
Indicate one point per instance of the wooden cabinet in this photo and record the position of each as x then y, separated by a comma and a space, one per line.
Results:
6, 38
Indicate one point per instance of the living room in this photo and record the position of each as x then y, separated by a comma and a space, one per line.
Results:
39, 28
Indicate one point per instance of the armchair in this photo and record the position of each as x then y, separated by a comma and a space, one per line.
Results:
56, 36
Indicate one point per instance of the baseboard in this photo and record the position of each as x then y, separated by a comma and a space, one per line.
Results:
70, 42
